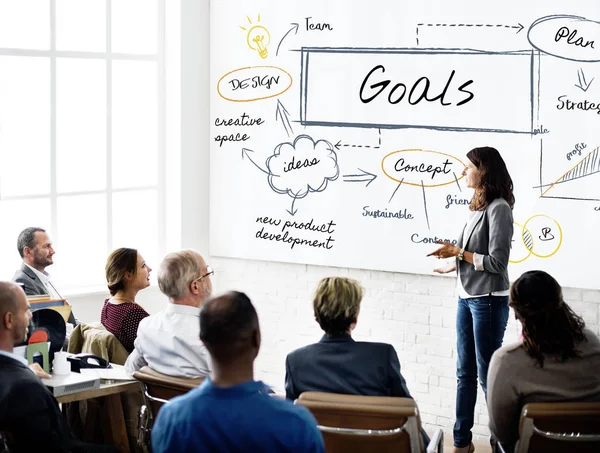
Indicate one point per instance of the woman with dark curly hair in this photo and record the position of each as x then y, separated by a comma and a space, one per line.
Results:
481, 263
557, 360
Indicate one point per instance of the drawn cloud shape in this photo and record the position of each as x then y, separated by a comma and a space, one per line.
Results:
305, 166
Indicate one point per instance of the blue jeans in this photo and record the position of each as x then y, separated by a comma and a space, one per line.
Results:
480, 326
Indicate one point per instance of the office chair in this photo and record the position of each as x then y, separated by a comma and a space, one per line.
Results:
369, 423
158, 389
559, 428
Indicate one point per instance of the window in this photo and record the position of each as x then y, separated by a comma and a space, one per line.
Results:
82, 131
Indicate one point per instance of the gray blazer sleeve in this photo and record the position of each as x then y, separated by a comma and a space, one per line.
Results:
500, 222
25, 283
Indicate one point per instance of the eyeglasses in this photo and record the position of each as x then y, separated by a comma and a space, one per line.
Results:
209, 271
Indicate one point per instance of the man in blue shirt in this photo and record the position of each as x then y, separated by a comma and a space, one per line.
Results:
231, 412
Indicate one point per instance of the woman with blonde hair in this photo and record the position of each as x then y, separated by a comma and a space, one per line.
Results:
126, 274
337, 363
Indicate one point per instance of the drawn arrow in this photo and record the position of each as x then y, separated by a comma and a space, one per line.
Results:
246, 152
583, 84
294, 27
339, 144
364, 177
518, 27
292, 211
282, 114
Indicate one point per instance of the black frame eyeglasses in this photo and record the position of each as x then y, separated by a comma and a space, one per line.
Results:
209, 271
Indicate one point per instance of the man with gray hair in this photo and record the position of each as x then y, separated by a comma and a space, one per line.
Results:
169, 341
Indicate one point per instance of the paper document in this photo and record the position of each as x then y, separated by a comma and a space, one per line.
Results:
116, 373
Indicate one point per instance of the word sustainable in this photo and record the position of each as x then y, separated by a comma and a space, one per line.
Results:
384, 213
419, 91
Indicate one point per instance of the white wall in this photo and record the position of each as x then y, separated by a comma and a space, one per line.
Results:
414, 313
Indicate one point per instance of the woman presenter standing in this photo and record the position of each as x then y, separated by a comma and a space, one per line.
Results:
481, 253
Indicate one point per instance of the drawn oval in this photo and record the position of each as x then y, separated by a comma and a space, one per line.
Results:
568, 37
422, 168
254, 83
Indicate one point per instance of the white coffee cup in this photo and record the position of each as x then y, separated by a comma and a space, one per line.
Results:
61, 365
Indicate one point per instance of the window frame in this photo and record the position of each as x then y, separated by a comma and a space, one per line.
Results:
52, 54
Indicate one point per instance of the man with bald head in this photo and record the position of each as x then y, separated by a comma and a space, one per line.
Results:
28, 411
231, 412
169, 341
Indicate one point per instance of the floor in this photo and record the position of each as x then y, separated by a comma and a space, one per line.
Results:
481, 446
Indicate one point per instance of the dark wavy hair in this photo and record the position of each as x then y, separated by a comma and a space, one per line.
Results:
495, 181
550, 327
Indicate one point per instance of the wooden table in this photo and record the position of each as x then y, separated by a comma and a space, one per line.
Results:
110, 392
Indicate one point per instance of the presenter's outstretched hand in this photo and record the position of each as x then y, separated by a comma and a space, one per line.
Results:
447, 250
445, 269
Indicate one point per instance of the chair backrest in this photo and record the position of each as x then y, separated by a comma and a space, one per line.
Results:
159, 388
365, 423
560, 428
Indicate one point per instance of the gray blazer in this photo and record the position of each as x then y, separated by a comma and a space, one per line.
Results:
30, 283
490, 235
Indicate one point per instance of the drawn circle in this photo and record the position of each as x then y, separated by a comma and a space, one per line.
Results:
420, 153
248, 72
526, 241
543, 221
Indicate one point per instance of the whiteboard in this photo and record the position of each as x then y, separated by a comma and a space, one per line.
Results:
340, 129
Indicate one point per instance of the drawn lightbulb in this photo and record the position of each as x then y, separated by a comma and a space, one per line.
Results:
258, 39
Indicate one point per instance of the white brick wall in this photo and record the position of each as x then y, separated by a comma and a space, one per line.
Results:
415, 313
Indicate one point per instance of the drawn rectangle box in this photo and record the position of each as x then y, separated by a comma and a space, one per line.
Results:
503, 87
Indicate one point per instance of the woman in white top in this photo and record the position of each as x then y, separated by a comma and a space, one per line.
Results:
482, 253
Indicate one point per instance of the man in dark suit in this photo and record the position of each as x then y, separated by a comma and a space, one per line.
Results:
337, 363
29, 414
35, 247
